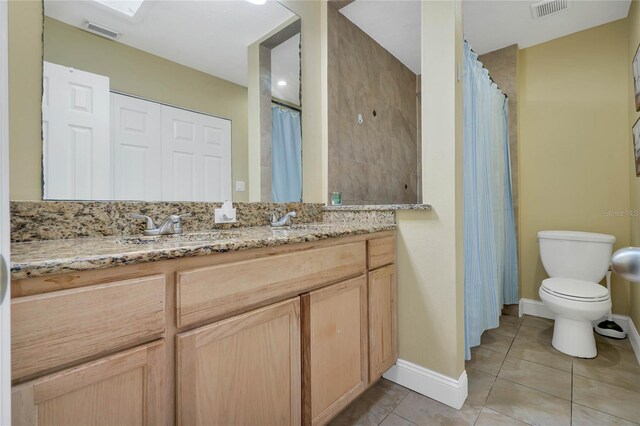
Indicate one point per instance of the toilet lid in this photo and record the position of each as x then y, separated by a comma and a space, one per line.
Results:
566, 288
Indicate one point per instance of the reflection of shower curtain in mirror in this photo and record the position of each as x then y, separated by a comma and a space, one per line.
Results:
286, 155
490, 253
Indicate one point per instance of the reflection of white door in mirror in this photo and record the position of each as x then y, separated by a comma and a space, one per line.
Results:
137, 148
169, 154
196, 156
75, 131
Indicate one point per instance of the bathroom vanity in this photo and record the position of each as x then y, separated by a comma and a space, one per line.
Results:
250, 329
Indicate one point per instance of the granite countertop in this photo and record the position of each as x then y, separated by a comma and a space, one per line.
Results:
38, 258
377, 207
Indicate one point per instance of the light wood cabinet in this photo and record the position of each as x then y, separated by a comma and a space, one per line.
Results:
382, 251
217, 291
123, 389
383, 344
276, 336
244, 370
57, 328
335, 350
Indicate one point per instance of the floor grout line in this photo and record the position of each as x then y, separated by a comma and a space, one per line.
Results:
507, 415
524, 359
538, 363
480, 371
505, 355
600, 411
478, 416
571, 408
535, 362
384, 418
520, 384
395, 406
404, 418
604, 383
538, 390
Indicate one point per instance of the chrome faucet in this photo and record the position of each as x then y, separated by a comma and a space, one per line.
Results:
171, 225
283, 221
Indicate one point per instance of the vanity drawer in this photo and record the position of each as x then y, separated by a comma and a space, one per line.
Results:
382, 251
217, 291
58, 328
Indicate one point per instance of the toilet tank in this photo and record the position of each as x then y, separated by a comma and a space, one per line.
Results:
578, 255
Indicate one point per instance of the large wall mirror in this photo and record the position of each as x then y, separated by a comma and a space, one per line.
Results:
374, 68
152, 100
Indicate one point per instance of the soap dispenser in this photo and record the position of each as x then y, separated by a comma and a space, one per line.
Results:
226, 213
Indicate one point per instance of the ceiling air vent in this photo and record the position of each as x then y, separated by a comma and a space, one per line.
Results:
548, 7
101, 30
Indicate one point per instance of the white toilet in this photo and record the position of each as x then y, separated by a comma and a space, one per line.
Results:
576, 263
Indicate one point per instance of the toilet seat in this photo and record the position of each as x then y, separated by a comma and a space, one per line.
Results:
576, 290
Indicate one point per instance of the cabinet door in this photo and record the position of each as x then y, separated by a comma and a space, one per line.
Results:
123, 389
244, 370
56, 329
382, 321
335, 351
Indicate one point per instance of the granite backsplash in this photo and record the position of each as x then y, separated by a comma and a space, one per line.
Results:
49, 220
384, 217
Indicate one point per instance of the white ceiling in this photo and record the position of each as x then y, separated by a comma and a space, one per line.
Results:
395, 25
210, 36
488, 24
285, 66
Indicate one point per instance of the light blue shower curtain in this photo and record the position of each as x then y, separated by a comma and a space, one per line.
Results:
491, 259
286, 155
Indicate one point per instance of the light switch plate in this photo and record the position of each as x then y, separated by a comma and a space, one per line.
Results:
240, 186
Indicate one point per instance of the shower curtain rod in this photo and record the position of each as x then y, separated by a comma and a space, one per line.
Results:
282, 104
488, 73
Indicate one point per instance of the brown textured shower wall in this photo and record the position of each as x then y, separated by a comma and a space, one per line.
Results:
375, 162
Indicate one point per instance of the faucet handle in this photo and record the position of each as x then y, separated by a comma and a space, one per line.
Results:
288, 216
176, 218
151, 225
177, 221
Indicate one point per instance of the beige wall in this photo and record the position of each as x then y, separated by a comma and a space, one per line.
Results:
374, 162
633, 22
574, 144
25, 98
430, 250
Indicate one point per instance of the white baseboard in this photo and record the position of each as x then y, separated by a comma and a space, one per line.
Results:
434, 385
634, 338
537, 309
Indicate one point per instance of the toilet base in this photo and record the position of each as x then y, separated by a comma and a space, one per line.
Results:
574, 338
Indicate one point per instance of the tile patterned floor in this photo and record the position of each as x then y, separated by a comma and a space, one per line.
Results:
517, 378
